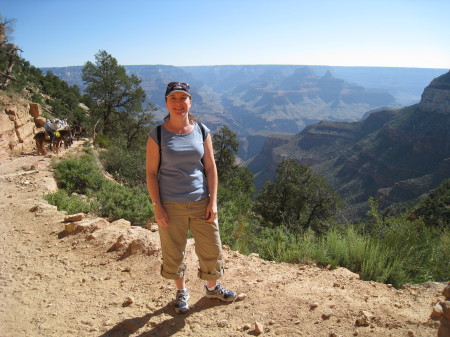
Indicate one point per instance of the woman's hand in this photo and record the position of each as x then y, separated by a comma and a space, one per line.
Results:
161, 217
211, 211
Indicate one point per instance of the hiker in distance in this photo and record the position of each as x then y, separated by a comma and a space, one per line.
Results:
182, 182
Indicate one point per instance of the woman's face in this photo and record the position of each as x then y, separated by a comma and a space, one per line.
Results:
178, 103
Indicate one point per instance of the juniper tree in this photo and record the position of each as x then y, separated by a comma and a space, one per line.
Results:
297, 198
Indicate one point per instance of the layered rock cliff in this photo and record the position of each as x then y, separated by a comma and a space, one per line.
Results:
395, 155
436, 97
19, 122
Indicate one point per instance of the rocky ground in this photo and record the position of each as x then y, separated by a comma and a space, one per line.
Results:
55, 284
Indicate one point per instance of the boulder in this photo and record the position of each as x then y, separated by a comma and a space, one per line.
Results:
108, 235
35, 110
137, 240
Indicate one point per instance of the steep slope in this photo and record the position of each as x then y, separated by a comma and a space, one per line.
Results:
395, 155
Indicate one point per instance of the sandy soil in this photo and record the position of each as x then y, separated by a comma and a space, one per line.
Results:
69, 285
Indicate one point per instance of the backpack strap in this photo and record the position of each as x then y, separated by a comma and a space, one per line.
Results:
202, 129
158, 137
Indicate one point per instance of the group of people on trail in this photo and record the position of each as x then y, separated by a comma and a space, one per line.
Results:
182, 182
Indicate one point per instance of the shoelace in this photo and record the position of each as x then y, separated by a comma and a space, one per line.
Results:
182, 297
221, 290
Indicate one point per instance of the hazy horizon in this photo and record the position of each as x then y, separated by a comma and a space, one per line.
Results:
384, 33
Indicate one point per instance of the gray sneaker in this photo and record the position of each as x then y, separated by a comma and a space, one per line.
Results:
221, 293
181, 303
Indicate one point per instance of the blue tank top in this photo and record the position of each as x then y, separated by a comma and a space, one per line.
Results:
182, 177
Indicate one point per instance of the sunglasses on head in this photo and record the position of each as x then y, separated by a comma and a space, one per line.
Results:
178, 85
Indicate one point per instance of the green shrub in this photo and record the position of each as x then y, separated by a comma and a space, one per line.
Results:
126, 165
118, 202
378, 265
106, 198
403, 255
276, 244
102, 141
434, 209
71, 204
441, 260
78, 175
37, 98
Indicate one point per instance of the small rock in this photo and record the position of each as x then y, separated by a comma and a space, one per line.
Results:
128, 301
151, 226
222, 324
241, 297
365, 318
74, 217
259, 327
327, 314
246, 326
313, 305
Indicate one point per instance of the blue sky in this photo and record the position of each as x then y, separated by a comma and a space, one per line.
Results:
392, 33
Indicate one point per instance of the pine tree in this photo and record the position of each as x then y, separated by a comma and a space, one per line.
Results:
117, 95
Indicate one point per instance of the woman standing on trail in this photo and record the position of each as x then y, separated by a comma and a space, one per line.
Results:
182, 183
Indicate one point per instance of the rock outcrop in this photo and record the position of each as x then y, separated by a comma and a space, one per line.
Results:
436, 96
19, 122
125, 238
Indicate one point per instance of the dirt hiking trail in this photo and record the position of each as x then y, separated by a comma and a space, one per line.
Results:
52, 284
